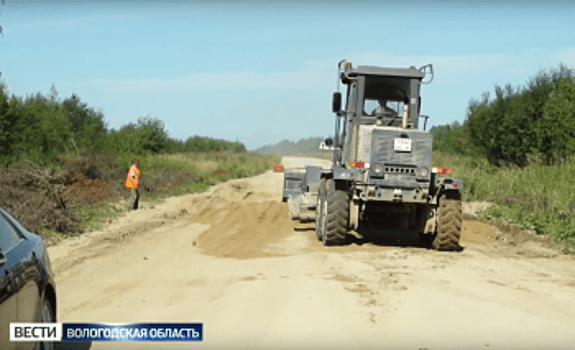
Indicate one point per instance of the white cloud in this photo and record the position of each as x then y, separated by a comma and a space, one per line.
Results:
70, 15
303, 80
457, 77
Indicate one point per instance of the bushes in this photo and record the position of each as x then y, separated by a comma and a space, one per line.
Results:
87, 126
556, 129
36, 128
519, 124
451, 138
146, 137
205, 144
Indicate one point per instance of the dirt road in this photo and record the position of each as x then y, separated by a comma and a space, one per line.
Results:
232, 259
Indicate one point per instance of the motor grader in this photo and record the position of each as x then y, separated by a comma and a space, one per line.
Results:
381, 170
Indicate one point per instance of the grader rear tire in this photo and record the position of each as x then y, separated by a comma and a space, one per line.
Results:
318, 211
449, 219
335, 215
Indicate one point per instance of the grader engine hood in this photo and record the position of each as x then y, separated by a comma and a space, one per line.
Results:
396, 157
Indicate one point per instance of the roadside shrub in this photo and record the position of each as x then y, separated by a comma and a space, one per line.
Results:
521, 124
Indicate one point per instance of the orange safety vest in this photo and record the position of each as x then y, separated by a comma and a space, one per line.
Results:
135, 174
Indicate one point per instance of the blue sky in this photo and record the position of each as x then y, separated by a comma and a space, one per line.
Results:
264, 71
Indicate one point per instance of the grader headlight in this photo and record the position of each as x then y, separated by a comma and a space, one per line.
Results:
422, 171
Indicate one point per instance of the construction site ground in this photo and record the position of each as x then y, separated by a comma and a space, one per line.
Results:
232, 259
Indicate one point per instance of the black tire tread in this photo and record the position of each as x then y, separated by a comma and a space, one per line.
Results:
47, 345
337, 215
449, 220
320, 199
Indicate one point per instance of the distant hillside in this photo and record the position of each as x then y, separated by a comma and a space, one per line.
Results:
303, 147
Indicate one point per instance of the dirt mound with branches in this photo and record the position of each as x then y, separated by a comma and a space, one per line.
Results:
40, 198
83, 190
33, 196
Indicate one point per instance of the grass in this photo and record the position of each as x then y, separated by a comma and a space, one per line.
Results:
539, 198
92, 217
239, 165
52, 236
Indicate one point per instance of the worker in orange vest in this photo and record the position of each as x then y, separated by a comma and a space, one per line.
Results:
133, 183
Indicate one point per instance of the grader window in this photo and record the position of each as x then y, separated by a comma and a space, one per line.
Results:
382, 107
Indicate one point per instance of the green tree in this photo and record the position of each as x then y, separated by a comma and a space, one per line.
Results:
35, 127
146, 137
124, 140
196, 144
557, 126
452, 138
509, 128
206, 144
174, 146
152, 137
7, 127
87, 126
